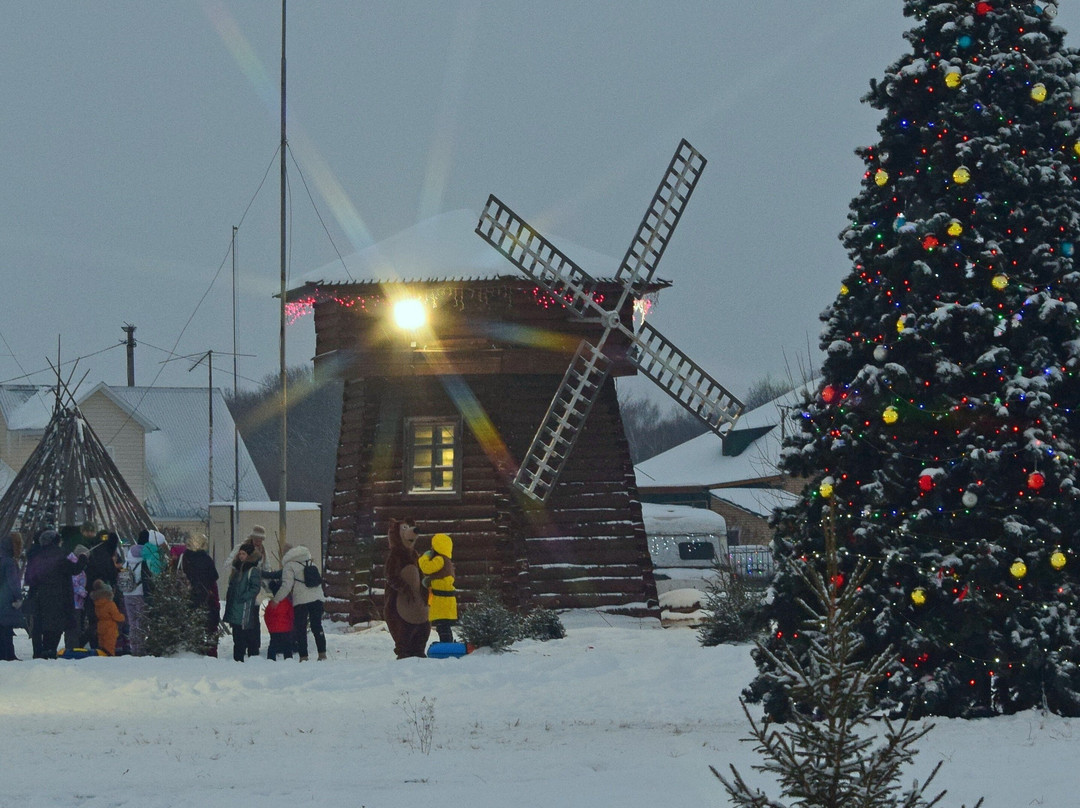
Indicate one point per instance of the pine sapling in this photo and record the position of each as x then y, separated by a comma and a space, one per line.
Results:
827, 756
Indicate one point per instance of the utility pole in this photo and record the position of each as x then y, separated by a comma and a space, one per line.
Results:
130, 342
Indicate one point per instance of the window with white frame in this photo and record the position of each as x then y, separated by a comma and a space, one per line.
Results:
432, 456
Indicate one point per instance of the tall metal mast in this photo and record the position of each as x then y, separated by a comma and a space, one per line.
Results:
283, 475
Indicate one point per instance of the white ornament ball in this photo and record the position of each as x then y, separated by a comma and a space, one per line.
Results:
881, 353
969, 499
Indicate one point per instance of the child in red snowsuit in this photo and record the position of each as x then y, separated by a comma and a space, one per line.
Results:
279, 622
109, 617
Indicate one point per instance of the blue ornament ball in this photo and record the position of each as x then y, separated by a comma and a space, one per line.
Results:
964, 41
1067, 248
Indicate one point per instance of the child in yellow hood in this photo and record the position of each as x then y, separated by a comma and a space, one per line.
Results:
438, 571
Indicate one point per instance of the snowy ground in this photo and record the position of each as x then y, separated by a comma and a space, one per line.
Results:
620, 713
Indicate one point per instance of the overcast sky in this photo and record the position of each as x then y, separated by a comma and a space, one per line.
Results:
135, 135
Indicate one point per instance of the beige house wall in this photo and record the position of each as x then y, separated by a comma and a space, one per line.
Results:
303, 524
123, 438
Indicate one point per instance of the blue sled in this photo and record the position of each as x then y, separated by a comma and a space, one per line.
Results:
442, 650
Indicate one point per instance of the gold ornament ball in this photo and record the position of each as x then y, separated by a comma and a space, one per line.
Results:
918, 596
890, 415
900, 325
826, 490
1076, 147
844, 289
1018, 569
1057, 559
961, 176
1038, 93
955, 228
881, 176
952, 79
999, 282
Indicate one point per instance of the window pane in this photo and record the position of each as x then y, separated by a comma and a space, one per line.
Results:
444, 480
422, 480
421, 458
423, 434
447, 434
446, 457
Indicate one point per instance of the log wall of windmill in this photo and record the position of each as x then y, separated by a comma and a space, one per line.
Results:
585, 548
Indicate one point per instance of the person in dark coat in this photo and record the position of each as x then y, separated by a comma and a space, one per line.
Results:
405, 606
104, 564
52, 596
11, 616
197, 565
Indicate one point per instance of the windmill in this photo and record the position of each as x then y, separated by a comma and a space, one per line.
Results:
651, 352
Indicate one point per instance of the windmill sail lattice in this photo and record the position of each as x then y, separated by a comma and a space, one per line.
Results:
649, 350
70, 479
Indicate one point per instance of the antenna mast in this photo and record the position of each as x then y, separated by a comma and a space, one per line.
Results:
282, 474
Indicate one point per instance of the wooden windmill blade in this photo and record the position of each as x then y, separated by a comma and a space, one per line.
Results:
683, 379
658, 223
537, 257
649, 350
559, 431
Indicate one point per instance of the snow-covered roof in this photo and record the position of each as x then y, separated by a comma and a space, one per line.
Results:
753, 451
26, 407
178, 449
758, 501
445, 247
680, 519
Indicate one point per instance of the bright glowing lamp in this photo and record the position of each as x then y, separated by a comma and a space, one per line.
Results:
409, 314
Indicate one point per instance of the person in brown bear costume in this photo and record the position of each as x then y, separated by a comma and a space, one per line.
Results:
405, 605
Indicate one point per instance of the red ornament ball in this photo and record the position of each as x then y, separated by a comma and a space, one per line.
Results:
828, 394
983, 8
1036, 480
926, 482
930, 242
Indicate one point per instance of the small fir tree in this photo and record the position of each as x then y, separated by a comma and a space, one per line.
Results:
488, 624
827, 756
733, 609
172, 622
947, 424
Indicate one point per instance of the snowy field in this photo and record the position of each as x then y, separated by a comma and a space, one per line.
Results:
620, 713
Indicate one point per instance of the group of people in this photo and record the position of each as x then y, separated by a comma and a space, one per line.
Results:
96, 598
420, 593
294, 605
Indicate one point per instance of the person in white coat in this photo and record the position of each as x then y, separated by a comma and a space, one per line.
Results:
307, 601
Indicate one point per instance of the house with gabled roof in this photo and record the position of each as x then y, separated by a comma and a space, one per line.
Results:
738, 477
159, 439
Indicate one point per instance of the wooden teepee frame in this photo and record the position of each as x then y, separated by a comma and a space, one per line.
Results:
70, 479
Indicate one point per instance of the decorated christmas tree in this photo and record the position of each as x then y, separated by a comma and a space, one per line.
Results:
944, 434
